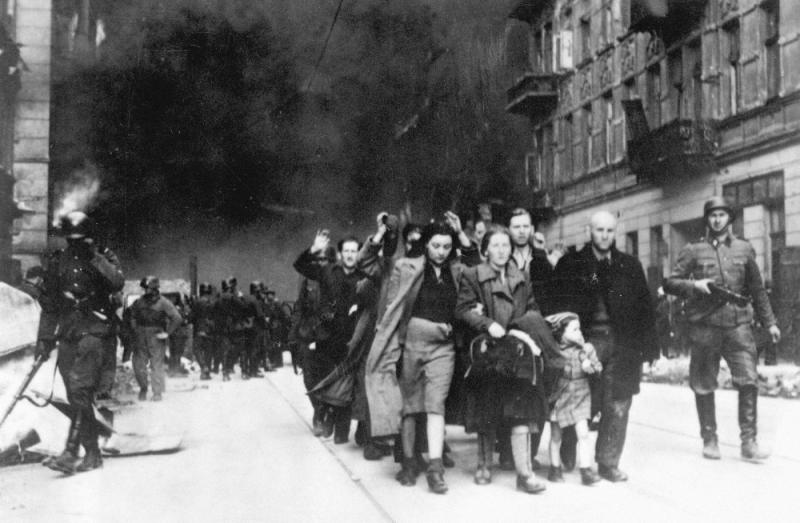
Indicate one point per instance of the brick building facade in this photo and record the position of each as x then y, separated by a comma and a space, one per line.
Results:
648, 108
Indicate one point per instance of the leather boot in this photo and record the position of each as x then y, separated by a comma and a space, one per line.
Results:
521, 452
341, 429
706, 414
92, 459
68, 461
589, 477
408, 472
748, 418
435, 477
447, 461
555, 475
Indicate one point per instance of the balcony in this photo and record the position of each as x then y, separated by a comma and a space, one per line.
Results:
669, 18
678, 150
530, 10
534, 95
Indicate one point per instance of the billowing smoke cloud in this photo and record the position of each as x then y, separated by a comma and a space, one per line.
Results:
209, 142
78, 192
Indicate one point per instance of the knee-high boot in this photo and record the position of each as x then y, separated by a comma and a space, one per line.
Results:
706, 414
748, 418
68, 461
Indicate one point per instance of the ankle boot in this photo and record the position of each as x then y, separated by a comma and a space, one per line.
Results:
521, 452
435, 477
589, 476
555, 475
748, 418
92, 459
408, 472
68, 461
706, 414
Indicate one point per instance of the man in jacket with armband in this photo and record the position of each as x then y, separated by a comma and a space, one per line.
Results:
77, 314
718, 276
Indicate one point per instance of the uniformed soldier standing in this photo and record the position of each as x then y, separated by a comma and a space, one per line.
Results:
720, 325
77, 314
202, 317
153, 318
232, 327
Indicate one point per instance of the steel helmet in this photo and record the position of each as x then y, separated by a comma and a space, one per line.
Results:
716, 203
205, 288
76, 225
150, 282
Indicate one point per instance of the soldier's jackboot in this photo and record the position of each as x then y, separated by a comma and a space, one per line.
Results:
748, 418
92, 459
706, 414
68, 461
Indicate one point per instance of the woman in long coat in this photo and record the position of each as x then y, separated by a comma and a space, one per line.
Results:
496, 298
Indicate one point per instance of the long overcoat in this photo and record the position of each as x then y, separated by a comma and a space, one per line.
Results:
630, 309
513, 306
383, 391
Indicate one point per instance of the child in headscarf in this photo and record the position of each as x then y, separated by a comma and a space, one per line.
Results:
570, 404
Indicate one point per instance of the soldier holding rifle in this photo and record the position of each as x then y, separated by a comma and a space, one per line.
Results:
719, 277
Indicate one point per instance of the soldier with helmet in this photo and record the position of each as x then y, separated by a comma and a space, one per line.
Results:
153, 318
232, 327
719, 278
202, 316
77, 313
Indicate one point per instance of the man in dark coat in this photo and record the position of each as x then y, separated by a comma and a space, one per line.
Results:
608, 291
337, 315
77, 314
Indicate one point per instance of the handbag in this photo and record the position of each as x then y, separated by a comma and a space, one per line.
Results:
504, 358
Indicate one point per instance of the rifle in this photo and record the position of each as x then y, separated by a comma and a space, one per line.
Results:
726, 295
37, 363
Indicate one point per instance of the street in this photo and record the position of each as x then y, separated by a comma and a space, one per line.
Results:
248, 455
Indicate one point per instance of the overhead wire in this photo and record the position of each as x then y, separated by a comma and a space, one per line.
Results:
324, 45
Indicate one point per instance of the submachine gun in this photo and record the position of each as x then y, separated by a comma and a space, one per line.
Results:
725, 295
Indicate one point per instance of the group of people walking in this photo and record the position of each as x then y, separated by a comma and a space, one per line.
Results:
229, 328
427, 325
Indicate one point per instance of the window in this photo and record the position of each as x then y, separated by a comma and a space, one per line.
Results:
547, 48
566, 140
675, 71
588, 126
654, 96
629, 92
608, 102
772, 50
731, 61
632, 243
586, 38
607, 20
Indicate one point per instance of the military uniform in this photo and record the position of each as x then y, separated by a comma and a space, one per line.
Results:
202, 317
718, 328
231, 329
77, 313
152, 317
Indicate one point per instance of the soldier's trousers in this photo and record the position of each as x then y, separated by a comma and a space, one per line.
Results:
153, 350
109, 369
80, 362
204, 350
233, 347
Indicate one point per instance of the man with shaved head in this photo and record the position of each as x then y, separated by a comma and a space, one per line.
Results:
608, 291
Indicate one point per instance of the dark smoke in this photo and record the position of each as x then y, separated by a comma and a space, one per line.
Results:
198, 117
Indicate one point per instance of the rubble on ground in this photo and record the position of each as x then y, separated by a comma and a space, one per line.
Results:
781, 380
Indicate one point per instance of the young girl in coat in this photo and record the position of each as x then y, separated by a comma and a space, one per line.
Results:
571, 401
